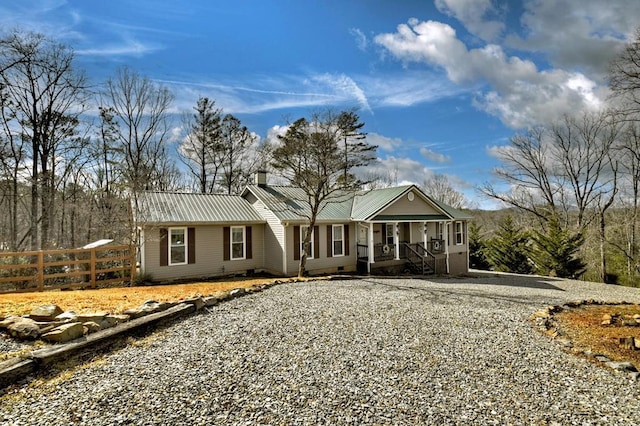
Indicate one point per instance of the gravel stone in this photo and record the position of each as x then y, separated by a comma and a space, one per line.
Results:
371, 351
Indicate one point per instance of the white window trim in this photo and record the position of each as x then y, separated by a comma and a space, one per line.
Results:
461, 233
244, 243
303, 229
333, 240
171, 246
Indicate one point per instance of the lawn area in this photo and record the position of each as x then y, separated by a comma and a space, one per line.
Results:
117, 300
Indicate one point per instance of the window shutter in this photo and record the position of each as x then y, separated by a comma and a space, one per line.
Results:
384, 233
164, 246
316, 242
346, 240
329, 240
248, 247
226, 242
296, 243
191, 240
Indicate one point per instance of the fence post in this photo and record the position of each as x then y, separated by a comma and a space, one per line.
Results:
132, 260
93, 267
40, 270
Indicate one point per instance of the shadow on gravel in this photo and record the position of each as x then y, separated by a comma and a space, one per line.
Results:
503, 279
475, 278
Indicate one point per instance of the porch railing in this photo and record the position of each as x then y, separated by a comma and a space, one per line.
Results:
420, 259
417, 255
435, 246
380, 252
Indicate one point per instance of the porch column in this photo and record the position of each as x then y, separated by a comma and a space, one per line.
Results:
424, 236
396, 240
446, 243
371, 252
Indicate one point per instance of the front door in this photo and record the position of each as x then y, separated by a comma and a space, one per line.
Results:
363, 235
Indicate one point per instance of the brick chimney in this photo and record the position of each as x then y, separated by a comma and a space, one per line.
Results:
260, 178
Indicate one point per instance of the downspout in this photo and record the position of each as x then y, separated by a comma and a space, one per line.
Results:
466, 240
371, 256
141, 249
284, 249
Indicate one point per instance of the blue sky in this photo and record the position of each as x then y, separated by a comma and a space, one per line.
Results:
440, 84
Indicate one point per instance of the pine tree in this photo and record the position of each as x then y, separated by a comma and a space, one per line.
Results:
554, 253
508, 251
477, 248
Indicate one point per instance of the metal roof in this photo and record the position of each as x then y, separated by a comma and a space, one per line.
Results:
287, 203
190, 208
290, 204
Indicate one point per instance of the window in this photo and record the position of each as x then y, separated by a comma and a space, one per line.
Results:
338, 240
459, 233
389, 237
177, 246
310, 249
237, 243
440, 230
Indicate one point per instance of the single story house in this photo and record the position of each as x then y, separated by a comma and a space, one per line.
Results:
397, 229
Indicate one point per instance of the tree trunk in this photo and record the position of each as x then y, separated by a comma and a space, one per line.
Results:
604, 277
35, 245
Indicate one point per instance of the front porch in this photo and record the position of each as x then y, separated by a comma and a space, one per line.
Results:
416, 247
412, 257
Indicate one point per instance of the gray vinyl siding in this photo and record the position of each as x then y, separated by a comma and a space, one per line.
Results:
458, 263
403, 206
209, 255
321, 263
458, 248
273, 237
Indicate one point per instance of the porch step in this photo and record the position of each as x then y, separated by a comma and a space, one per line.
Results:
418, 269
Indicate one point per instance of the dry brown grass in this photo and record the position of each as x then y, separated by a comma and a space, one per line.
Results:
583, 327
116, 300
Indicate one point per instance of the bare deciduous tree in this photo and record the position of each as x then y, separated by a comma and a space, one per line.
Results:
43, 96
310, 157
624, 79
440, 189
140, 114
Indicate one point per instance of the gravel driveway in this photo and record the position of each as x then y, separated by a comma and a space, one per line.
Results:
371, 351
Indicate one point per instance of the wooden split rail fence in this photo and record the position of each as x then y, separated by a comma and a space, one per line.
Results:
66, 269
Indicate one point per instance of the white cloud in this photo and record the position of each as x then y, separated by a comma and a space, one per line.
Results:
577, 34
126, 48
274, 133
266, 94
383, 142
480, 17
519, 94
344, 87
436, 157
361, 40
400, 170
315, 90
408, 88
